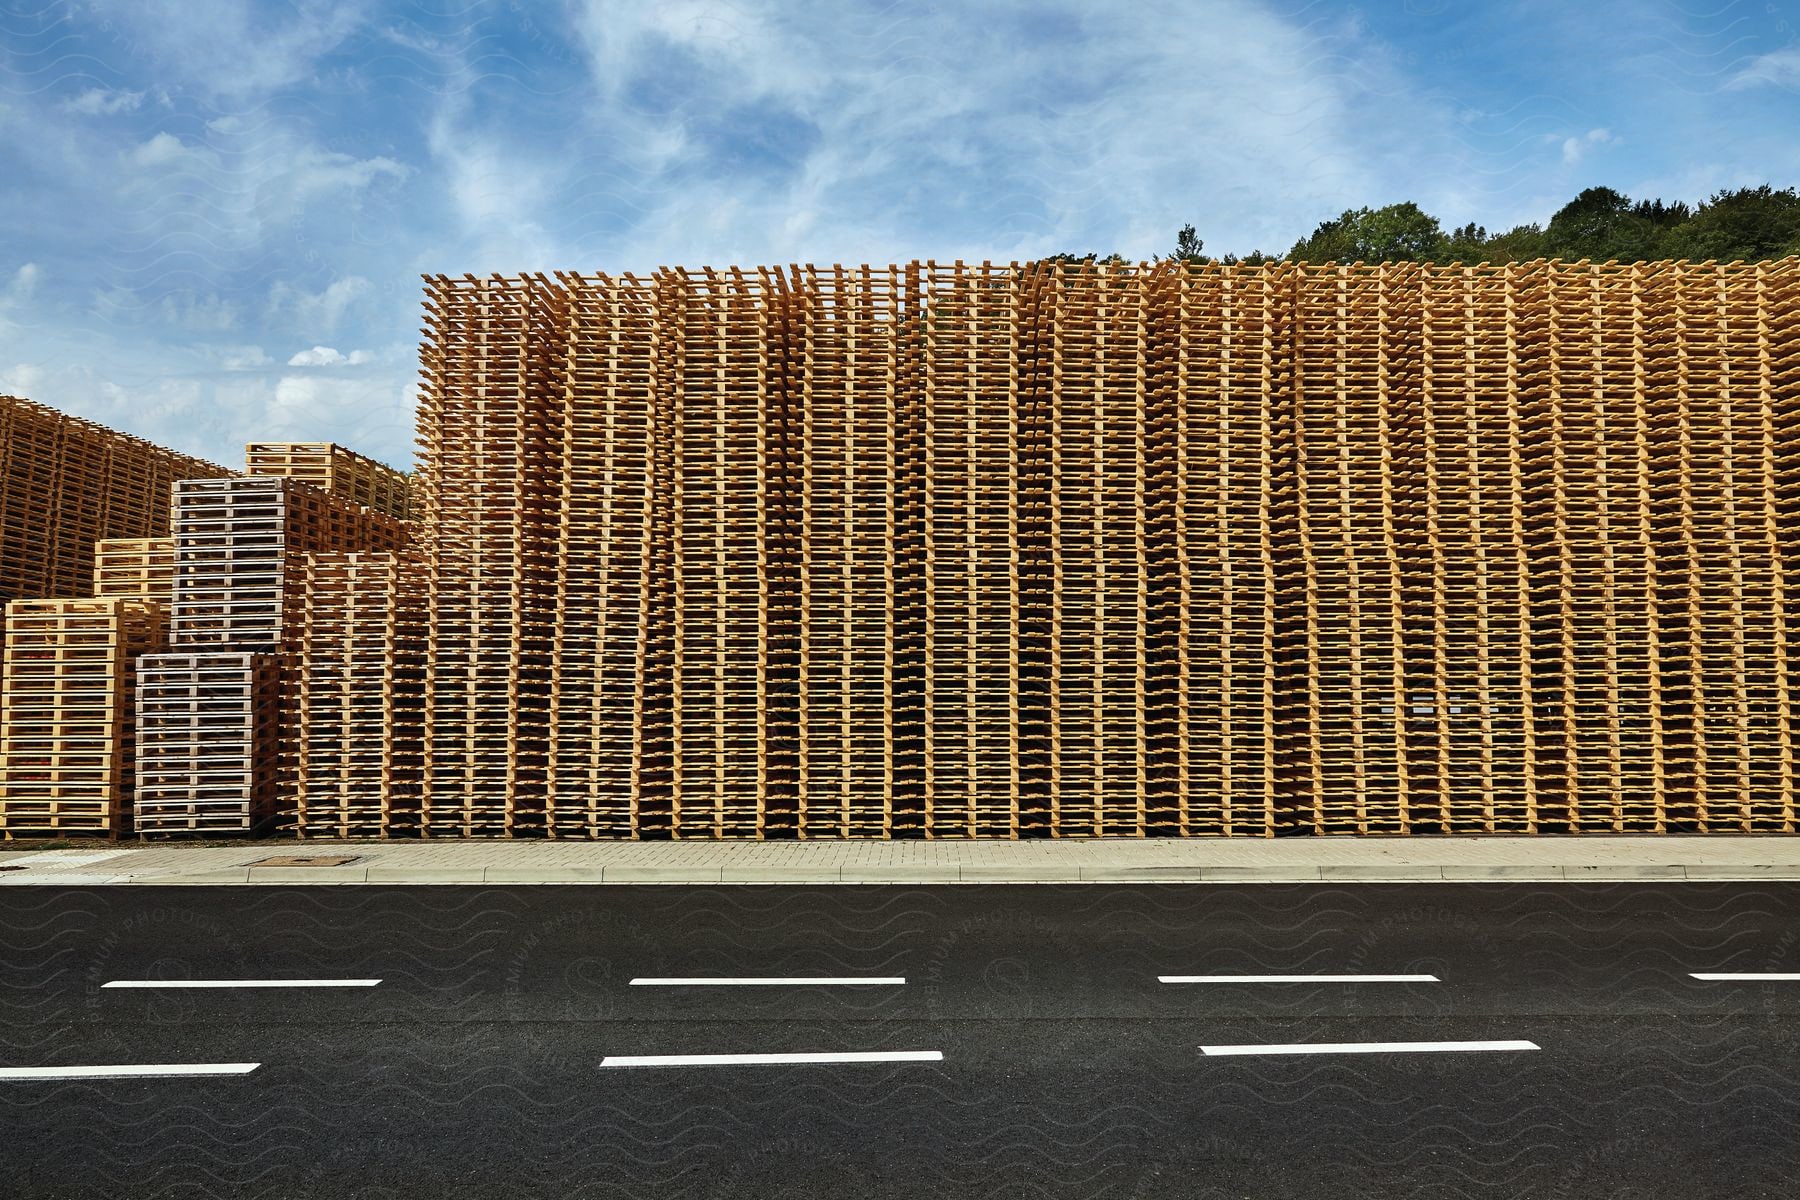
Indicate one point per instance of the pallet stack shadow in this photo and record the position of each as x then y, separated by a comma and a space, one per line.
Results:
1027, 550
67, 489
209, 710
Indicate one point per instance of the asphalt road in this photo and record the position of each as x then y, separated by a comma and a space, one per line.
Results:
475, 1067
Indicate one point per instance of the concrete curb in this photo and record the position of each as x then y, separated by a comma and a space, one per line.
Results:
918, 875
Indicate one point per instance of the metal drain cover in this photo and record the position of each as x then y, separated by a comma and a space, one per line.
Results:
307, 860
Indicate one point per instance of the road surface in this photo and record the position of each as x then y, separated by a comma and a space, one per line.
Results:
1081, 1042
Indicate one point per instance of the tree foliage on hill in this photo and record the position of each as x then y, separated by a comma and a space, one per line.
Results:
1601, 223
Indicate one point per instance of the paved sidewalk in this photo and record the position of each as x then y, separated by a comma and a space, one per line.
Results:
1283, 860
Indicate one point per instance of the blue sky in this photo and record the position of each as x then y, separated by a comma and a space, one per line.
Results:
214, 214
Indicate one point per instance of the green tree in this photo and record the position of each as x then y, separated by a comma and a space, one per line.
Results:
1660, 214
1521, 243
1749, 224
1188, 247
1069, 259
1600, 223
1467, 244
1398, 232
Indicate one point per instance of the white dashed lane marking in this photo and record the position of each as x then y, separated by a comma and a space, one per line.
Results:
769, 981
1298, 978
241, 983
739, 1060
128, 1071
1365, 1048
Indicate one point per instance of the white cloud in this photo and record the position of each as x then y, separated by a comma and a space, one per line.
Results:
243, 185
161, 150
156, 404
497, 191
234, 49
199, 312
326, 356
738, 37
372, 415
24, 284
98, 102
316, 312
155, 396
1574, 149
21, 379
1780, 68
766, 132
244, 358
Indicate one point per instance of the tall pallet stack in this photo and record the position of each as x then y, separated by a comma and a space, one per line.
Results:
1357, 425
734, 517
1229, 533
495, 362
66, 719
208, 747
967, 363
612, 553
1546, 518
958, 550
66, 483
855, 702
357, 696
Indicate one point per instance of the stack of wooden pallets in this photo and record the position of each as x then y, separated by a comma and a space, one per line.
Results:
849, 432
142, 568
613, 646
207, 738
1357, 505
353, 757
66, 719
208, 751
1544, 528
335, 469
66, 483
495, 355
1480, 440
984, 550
66, 712
968, 363
1230, 536
735, 702
234, 539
